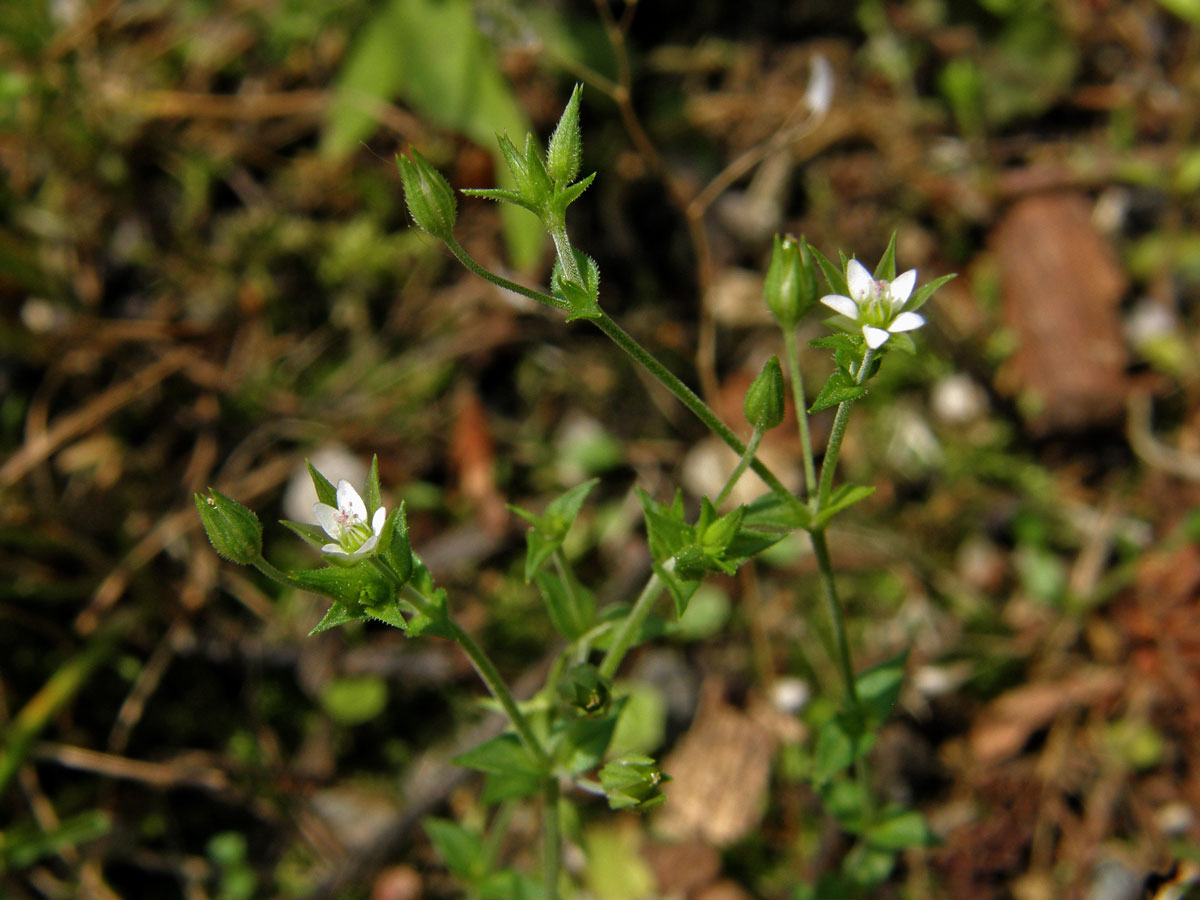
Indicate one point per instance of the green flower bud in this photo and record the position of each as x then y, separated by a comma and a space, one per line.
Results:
633, 782
764, 399
429, 197
233, 530
585, 692
790, 287
563, 154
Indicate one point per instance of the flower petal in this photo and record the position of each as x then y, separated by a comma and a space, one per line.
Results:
860, 281
349, 500
876, 337
378, 519
906, 321
902, 288
334, 548
842, 304
327, 518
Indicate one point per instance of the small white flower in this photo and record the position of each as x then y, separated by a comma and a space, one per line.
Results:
347, 525
876, 305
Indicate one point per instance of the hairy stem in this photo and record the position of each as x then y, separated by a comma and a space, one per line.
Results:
834, 447
740, 468
792, 355
630, 627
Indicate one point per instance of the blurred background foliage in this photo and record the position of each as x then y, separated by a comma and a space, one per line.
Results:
207, 275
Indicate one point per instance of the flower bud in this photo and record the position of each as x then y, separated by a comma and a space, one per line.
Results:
633, 782
764, 399
233, 530
790, 287
429, 197
585, 692
562, 156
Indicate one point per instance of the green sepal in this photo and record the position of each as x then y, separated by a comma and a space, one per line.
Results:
564, 197
581, 298
923, 293
840, 342
667, 530
578, 745
313, 535
502, 755
326, 492
565, 149
428, 196
373, 495
886, 270
838, 389
633, 781
339, 614
541, 189
835, 276
764, 403
498, 194
843, 496
571, 606
393, 547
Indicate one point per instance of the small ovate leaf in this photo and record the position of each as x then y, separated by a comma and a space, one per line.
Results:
339, 614
748, 543
886, 270
843, 496
462, 851
838, 389
834, 752
538, 549
681, 589
394, 548
502, 755
878, 688
326, 492
900, 830
515, 161
583, 742
571, 606
667, 530
846, 800
867, 868
777, 513
513, 786
564, 509
923, 293
582, 298
848, 343
355, 585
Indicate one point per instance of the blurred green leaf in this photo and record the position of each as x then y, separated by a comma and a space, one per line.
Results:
353, 701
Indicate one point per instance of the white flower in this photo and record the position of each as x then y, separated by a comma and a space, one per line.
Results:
876, 305
347, 525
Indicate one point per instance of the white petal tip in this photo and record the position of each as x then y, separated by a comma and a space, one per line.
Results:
841, 304
876, 337
906, 321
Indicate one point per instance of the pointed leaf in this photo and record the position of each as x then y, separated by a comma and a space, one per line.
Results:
355, 586
373, 495
839, 341
776, 513
313, 535
339, 614
566, 144
462, 851
835, 276
502, 755
843, 495
571, 606
900, 830
564, 509
838, 389
501, 196
568, 195
879, 687
681, 589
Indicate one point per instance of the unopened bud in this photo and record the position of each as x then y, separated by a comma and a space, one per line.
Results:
233, 530
562, 156
790, 287
764, 399
429, 197
633, 782
586, 692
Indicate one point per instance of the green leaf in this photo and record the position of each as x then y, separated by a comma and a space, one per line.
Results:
568, 195
359, 584
339, 614
497, 788
848, 343
353, 701
461, 850
838, 389
680, 589
867, 867
394, 549
582, 743
497, 194
843, 496
24, 844
502, 755
581, 297
776, 513
834, 752
566, 145
564, 509
900, 830
667, 530
846, 800
510, 885
326, 492
879, 687
571, 606
886, 270
313, 535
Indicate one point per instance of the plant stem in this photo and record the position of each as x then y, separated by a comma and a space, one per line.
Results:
566, 255
834, 608
740, 468
467, 260
552, 838
487, 671
631, 626
792, 356
834, 447
689, 399
275, 574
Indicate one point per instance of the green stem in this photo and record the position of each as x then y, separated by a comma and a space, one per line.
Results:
792, 354
689, 399
740, 468
630, 627
552, 838
834, 608
834, 447
487, 671
566, 255
276, 575
466, 259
